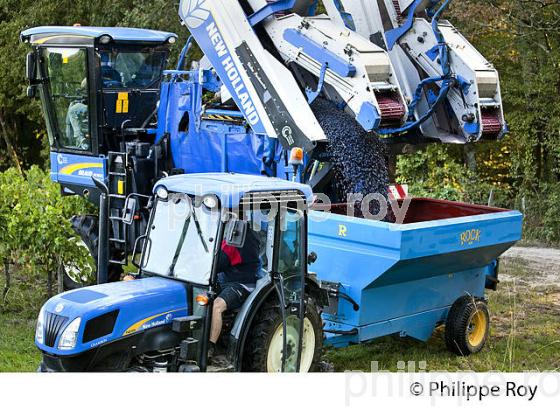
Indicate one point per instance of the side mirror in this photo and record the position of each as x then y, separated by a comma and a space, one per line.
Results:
31, 91
31, 67
129, 210
235, 233
311, 258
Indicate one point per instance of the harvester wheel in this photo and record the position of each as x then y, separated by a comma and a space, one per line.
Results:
87, 228
263, 352
467, 326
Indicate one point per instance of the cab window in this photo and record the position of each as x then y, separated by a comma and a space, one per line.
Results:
126, 69
67, 83
289, 249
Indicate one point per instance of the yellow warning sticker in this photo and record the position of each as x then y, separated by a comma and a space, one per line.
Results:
122, 103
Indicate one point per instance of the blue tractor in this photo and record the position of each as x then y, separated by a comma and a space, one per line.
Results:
161, 321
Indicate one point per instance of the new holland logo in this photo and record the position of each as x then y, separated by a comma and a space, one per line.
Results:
194, 12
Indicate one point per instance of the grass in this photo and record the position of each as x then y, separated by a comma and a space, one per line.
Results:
525, 335
17, 350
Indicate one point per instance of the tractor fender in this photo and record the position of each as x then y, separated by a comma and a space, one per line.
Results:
262, 290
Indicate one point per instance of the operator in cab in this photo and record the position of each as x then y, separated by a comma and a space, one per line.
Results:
77, 125
238, 268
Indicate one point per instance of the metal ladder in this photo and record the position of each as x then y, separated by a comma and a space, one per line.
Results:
118, 189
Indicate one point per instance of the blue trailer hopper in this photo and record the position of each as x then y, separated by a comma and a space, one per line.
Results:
405, 277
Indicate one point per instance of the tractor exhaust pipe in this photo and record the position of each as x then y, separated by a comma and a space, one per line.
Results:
103, 243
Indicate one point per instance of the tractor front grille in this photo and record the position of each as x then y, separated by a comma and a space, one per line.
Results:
53, 326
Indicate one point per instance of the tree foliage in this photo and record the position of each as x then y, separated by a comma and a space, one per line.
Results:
35, 232
21, 125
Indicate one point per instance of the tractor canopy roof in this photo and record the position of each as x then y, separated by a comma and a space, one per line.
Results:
230, 187
79, 34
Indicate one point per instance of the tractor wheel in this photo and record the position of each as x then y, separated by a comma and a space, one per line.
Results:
87, 228
467, 326
265, 339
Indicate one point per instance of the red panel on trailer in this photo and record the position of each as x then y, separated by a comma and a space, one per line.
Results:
427, 209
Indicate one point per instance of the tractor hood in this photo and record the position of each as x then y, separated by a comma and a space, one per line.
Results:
109, 312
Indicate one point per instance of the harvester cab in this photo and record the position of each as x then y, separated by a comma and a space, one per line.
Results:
99, 89
161, 321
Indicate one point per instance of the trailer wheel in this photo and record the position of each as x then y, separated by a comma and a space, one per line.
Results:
87, 228
263, 352
467, 326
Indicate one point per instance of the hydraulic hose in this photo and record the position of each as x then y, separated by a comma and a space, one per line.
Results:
344, 296
446, 79
183, 55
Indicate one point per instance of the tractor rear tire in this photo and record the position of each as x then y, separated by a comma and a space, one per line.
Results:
259, 354
467, 326
87, 228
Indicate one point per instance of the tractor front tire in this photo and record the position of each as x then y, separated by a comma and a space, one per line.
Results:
467, 326
87, 229
263, 351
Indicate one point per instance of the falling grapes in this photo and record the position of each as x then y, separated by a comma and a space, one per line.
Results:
359, 157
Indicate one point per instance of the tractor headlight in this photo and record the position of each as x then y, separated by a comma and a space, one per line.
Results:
210, 201
105, 39
40, 329
69, 337
162, 193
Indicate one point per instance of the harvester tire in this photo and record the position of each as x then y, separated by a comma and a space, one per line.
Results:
467, 326
87, 228
261, 340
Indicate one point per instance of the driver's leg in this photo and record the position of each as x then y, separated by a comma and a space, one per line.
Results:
220, 306
231, 297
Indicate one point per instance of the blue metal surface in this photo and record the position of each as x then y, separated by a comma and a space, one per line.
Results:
183, 55
230, 188
269, 10
399, 273
472, 127
77, 169
117, 33
346, 17
209, 145
313, 94
142, 304
319, 53
392, 36
227, 113
368, 117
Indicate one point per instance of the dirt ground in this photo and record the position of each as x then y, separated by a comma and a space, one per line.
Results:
542, 264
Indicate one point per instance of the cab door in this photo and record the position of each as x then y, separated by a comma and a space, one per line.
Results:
289, 280
66, 93
65, 96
